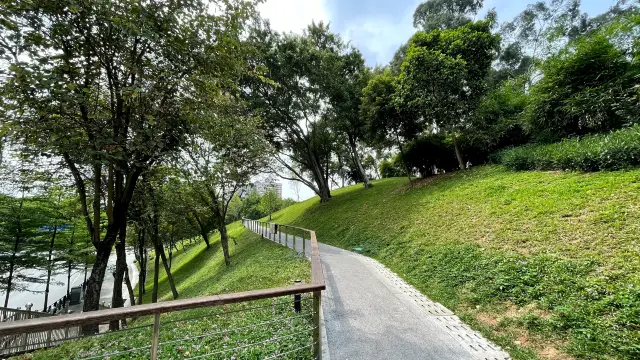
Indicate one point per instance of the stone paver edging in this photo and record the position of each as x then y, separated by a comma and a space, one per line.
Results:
369, 312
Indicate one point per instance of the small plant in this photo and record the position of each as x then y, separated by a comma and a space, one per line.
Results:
613, 151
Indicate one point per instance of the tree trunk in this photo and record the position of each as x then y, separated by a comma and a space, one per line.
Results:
12, 264
167, 270
155, 238
203, 231
68, 278
127, 281
222, 227
224, 241
356, 157
404, 162
143, 266
94, 283
46, 290
146, 266
323, 186
458, 154
121, 263
156, 274
85, 274
71, 242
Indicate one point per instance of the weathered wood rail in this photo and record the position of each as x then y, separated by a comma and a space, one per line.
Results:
43, 332
27, 341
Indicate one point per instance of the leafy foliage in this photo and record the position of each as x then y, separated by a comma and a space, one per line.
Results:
584, 90
617, 150
497, 122
258, 264
552, 255
389, 168
430, 154
445, 14
443, 76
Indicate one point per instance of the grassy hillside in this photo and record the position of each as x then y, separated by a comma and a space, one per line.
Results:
547, 264
256, 264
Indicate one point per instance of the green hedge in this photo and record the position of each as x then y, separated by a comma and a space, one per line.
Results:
616, 150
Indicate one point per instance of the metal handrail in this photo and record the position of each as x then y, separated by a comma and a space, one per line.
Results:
156, 309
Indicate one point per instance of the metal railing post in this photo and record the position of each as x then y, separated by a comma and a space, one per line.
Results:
304, 246
156, 334
317, 341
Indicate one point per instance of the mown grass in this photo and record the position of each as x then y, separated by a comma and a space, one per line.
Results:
546, 264
613, 151
256, 264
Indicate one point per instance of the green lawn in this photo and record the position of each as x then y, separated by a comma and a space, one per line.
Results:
546, 264
256, 264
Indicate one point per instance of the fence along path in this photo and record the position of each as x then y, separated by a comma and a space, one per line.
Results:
159, 332
371, 313
18, 343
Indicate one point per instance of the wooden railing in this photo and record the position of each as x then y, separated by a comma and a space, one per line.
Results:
15, 329
27, 341
9, 314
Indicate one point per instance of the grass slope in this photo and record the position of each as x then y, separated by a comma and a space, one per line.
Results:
547, 264
256, 264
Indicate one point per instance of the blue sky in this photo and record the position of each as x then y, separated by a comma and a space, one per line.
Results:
376, 27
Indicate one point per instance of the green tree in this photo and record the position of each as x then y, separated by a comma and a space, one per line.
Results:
346, 76
293, 103
270, 202
104, 85
584, 89
443, 76
388, 122
24, 221
251, 208
545, 26
370, 163
445, 14
228, 150
497, 122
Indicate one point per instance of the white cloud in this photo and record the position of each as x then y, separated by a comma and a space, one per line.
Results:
382, 35
294, 15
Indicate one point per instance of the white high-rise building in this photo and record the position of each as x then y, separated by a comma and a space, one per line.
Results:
261, 187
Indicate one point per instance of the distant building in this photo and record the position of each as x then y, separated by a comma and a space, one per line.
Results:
261, 187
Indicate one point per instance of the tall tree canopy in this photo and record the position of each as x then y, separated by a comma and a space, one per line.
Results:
444, 75
106, 86
389, 122
300, 96
445, 14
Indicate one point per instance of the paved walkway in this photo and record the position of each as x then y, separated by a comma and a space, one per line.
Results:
371, 313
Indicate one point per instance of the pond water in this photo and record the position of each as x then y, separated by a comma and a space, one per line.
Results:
58, 286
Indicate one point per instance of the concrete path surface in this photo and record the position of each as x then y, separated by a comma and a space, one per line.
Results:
371, 313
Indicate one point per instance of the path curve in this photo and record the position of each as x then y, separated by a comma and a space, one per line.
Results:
371, 313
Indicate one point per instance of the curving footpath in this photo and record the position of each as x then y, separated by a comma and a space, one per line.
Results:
371, 313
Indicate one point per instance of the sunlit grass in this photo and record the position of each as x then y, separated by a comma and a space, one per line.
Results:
256, 264
545, 263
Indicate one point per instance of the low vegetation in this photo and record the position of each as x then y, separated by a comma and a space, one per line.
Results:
543, 263
616, 150
199, 271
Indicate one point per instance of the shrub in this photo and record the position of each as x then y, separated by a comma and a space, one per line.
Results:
496, 123
585, 89
391, 168
429, 152
616, 150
